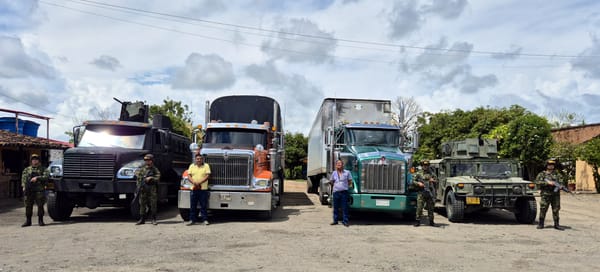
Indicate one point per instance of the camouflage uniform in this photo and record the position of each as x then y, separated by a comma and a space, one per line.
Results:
148, 192
548, 196
424, 200
34, 191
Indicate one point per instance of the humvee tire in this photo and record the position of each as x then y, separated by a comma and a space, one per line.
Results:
455, 208
525, 210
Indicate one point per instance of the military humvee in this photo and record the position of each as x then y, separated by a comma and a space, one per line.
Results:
471, 177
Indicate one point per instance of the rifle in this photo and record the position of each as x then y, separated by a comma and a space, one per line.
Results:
143, 184
559, 187
28, 185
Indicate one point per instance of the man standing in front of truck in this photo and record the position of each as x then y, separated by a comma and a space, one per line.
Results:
341, 180
34, 180
424, 183
198, 173
148, 177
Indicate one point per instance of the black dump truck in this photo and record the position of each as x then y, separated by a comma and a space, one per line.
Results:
100, 169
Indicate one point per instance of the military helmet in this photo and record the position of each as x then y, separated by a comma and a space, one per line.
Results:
35, 156
149, 157
425, 162
551, 161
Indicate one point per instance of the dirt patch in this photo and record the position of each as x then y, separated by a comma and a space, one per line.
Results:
299, 238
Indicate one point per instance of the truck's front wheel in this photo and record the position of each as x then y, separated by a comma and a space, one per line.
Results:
455, 208
60, 207
525, 210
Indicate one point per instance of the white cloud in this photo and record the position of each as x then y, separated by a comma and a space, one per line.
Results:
447, 9
296, 48
18, 15
46, 50
206, 72
107, 63
589, 60
16, 63
404, 19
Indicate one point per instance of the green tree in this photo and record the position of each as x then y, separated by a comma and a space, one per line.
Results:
436, 128
179, 114
566, 153
296, 146
589, 152
529, 139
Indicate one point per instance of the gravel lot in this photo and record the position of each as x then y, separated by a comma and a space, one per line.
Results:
299, 238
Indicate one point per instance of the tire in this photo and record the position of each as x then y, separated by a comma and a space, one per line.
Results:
455, 208
322, 198
314, 186
267, 215
60, 207
185, 214
526, 210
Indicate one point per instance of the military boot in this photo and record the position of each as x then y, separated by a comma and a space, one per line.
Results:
540, 224
557, 226
154, 220
27, 222
41, 221
431, 223
141, 221
417, 223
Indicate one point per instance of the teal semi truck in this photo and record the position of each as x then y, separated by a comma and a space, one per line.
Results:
361, 133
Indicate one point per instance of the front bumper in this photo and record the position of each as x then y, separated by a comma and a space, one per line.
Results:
376, 202
220, 200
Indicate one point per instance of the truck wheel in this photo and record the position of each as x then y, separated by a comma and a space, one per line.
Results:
185, 214
455, 208
323, 197
525, 210
59, 206
314, 186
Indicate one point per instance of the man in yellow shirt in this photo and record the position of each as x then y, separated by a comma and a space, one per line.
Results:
198, 173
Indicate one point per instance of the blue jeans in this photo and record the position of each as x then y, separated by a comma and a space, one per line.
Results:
340, 200
195, 197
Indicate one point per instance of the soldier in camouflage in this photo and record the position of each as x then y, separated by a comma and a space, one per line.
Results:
33, 181
547, 181
147, 180
424, 184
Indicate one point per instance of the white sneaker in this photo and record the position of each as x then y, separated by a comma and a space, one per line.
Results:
205, 222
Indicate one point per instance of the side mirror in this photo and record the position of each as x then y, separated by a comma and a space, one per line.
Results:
76, 135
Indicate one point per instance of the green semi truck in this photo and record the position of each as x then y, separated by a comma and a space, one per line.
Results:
361, 133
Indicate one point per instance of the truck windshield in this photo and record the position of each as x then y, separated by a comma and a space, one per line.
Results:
382, 137
245, 138
113, 136
496, 169
462, 169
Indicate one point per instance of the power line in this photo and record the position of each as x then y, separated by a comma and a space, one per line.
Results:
397, 46
211, 37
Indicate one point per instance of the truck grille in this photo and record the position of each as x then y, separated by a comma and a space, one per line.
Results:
89, 166
233, 171
383, 178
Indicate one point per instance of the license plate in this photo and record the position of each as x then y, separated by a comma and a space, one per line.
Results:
471, 200
382, 202
225, 197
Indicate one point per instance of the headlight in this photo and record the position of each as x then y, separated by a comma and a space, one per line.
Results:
128, 170
478, 190
185, 181
517, 190
260, 183
56, 171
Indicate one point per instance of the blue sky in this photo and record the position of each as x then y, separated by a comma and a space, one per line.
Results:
66, 59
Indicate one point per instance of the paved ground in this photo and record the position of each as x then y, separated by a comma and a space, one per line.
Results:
299, 238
